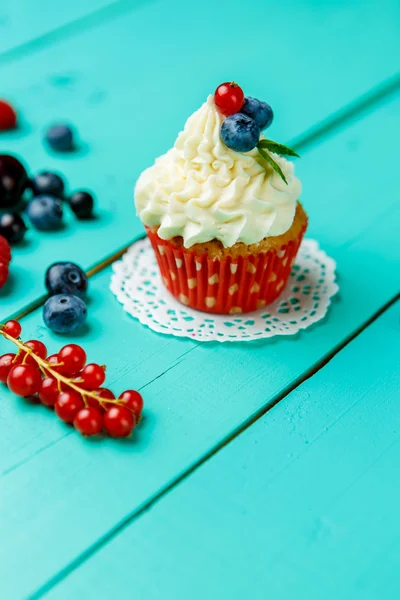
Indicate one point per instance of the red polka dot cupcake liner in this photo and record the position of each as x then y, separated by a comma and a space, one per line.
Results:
224, 285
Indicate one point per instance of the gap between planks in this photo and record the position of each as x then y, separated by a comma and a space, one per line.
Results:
148, 505
362, 106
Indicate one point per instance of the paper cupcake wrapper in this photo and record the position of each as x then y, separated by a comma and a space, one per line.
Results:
227, 285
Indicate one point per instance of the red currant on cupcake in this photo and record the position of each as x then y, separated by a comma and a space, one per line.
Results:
229, 98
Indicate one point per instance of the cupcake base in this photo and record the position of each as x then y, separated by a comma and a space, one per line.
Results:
241, 281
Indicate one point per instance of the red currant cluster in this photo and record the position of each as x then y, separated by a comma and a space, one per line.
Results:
64, 381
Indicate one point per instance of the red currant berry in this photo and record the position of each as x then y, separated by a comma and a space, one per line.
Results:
12, 328
8, 117
105, 393
3, 272
24, 380
229, 98
92, 377
101, 393
95, 404
48, 391
67, 406
54, 364
73, 358
132, 400
119, 421
37, 348
89, 421
5, 250
6, 364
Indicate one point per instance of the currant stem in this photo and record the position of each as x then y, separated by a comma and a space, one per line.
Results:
45, 368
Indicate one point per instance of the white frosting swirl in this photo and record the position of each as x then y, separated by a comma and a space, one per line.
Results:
201, 190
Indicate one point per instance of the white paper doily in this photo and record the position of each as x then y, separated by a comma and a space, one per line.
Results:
137, 284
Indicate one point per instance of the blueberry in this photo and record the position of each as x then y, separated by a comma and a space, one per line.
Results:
82, 204
66, 278
60, 138
258, 110
12, 227
64, 313
45, 212
48, 183
13, 181
240, 132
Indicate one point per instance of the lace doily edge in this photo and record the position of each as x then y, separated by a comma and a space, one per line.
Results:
119, 270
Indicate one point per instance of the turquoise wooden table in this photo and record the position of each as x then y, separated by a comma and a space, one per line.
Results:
267, 470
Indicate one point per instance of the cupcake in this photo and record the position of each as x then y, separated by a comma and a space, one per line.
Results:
221, 208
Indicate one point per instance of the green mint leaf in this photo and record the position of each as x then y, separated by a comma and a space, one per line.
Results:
277, 148
271, 162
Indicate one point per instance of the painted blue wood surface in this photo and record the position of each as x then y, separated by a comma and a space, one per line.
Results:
23, 21
62, 494
304, 504
196, 395
130, 83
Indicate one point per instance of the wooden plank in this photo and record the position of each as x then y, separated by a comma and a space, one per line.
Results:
303, 504
63, 494
129, 84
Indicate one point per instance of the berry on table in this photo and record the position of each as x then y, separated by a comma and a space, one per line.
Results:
239, 132
54, 363
3, 273
24, 380
102, 393
5, 258
132, 400
89, 421
82, 204
229, 98
45, 212
37, 348
91, 377
258, 110
12, 227
5, 251
60, 138
64, 313
67, 406
12, 328
66, 278
48, 391
13, 181
48, 183
6, 364
119, 421
105, 393
8, 116
73, 358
